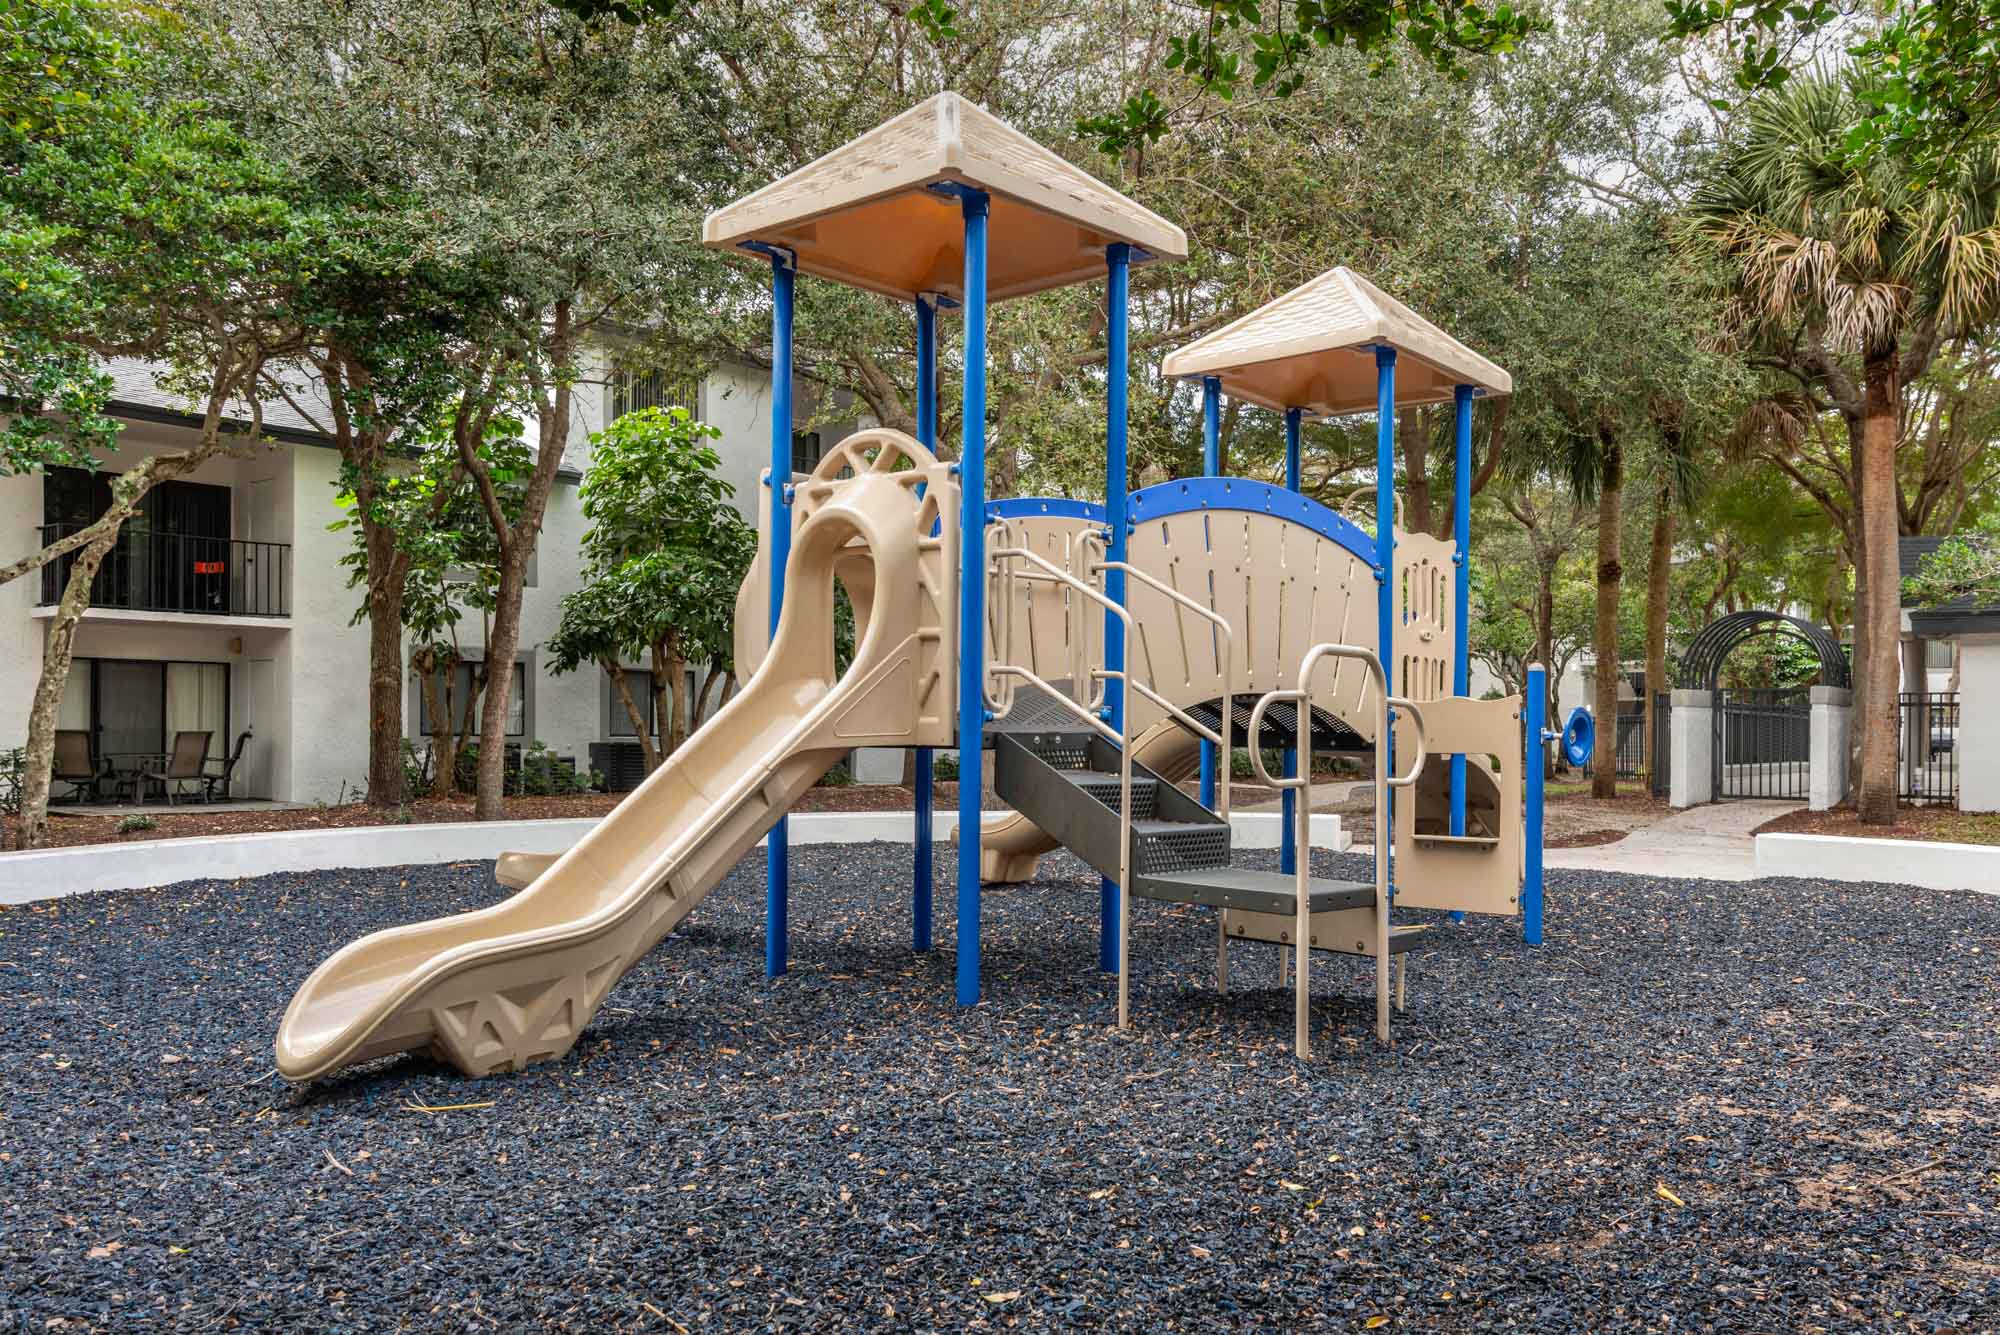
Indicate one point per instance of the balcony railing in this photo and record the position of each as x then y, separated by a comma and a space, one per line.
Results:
178, 572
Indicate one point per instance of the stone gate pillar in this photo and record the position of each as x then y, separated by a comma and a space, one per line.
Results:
1832, 711
1691, 749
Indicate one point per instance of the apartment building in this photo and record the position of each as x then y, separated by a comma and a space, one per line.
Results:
225, 607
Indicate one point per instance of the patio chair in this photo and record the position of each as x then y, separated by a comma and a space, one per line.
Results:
75, 763
184, 765
213, 782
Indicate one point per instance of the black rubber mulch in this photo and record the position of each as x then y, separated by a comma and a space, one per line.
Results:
1698, 1107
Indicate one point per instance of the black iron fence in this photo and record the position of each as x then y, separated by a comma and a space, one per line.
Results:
1663, 750
1927, 724
1763, 743
178, 572
1631, 743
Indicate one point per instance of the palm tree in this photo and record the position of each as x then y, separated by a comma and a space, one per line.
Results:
1843, 282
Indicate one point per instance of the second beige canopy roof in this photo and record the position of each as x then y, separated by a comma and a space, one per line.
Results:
1311, 349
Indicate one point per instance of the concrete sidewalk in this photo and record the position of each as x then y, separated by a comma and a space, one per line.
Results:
1708, 842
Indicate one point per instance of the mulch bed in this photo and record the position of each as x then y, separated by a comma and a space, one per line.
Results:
66, 829
1699, 1106
1932, 823
1585, 839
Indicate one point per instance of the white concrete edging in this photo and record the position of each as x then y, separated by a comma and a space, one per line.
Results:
1843, 857
55, 872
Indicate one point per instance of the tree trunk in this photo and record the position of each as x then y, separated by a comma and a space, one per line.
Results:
553, 387
57, 651
679, 709
1858, 654
1881, 410
622, 684
386, 569
1413, 428
1604, 637
1659, 569
713, 678
437, 700
503, 639
663, 707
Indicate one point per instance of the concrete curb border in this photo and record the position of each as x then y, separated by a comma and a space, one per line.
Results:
1841, 857
57, 872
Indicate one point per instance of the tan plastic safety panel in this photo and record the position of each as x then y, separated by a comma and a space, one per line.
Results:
502, 987
1479, 872
1281, 587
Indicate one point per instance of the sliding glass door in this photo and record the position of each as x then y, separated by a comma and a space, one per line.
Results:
136, 707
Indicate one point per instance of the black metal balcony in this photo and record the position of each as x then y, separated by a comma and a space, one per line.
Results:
178, 572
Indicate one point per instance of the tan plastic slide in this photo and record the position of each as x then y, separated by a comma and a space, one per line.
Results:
506, 986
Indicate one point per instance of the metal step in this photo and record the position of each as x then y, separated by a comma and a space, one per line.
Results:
1475, 843
1343, 932
1067, 783
1255, 891
1104, 788
1329, 734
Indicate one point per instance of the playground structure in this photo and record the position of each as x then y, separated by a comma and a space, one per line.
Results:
1100, 650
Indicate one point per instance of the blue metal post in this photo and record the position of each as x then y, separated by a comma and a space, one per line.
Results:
1461, 582
1288, 836
971, 595
1385, 558
777, 854
1211, 466
1117, 485
1534, 721
920, 894
1461, 585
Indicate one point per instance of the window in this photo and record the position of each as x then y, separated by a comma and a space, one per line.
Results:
1939, 654
633, 390
640, 683
806, 451
134, 707
458, 698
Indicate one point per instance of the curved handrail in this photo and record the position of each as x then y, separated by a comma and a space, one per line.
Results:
1302, 816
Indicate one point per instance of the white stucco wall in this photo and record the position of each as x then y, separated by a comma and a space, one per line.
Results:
1978, 744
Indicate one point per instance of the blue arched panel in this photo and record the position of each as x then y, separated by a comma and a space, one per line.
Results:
1234, 493
1031, 507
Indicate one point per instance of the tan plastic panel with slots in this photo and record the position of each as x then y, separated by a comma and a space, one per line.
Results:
1480, 871
505, 986
1281, 585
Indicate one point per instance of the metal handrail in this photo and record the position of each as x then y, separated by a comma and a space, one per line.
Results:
1049, 573
1300, 695
1220, 735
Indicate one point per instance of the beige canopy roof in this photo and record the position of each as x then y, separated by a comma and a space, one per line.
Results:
1310, 349
864, 213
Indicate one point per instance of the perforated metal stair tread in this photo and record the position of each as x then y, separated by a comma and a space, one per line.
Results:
1255, 891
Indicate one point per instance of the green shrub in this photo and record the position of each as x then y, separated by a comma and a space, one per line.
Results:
543, 773
840, 776
13, 779
137, 824
944, 766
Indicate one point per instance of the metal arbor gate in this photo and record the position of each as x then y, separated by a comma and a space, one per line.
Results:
1763, 737
1763, 743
